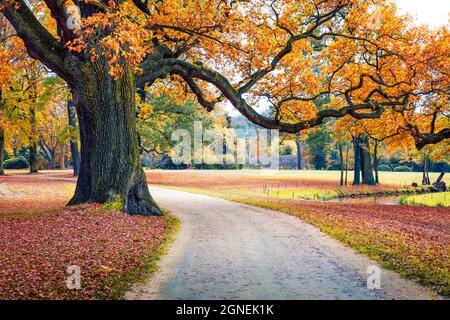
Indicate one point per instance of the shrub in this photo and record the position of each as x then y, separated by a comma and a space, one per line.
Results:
402, 169
384, 167
16, 163
403, 200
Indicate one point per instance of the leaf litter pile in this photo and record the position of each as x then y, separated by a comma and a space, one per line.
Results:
112, 249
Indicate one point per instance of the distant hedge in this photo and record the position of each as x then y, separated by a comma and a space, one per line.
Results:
384, 167
402, 169
16, 163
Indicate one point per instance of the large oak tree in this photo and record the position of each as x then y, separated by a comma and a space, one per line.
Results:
358, 54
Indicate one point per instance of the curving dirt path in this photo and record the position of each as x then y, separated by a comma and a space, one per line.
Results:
227, 250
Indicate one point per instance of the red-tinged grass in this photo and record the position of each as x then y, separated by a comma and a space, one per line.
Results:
412, 241
18, 208
24, 194
291, 185
198, 178
112, 249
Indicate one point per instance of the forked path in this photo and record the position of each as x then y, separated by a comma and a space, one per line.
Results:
227, 250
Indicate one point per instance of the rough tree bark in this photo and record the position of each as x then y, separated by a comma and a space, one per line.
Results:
366, 166
110, 168
363, 172
71, 114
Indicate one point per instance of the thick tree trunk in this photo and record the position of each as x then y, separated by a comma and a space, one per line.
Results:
34, 158
366, 166
2, 151
357, 165
71, 112
300, 164
110, 168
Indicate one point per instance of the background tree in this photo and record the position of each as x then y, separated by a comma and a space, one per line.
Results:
73, 136
160, 116
11, 51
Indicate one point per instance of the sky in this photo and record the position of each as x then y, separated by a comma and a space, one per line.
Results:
432, 12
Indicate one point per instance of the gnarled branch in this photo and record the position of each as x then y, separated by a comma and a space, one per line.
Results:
40, 44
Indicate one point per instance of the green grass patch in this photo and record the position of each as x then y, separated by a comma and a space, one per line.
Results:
441, 199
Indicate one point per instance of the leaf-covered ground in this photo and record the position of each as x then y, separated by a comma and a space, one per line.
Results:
414, 241
40, 239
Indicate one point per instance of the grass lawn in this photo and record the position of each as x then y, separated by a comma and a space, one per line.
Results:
413, 241
40, 239
299, 185
431, 199
386, 178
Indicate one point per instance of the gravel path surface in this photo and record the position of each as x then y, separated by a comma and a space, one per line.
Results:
227, 250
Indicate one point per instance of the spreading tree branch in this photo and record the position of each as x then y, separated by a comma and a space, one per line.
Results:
367, 110
40, 44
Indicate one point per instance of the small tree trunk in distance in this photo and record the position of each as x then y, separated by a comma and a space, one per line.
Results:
71, 112
341, 157
33, 145
426, 177
2, 151
47, 153
441, 176
346, 167
110, 168
62, 164
53, 159
300, 164
33, 158
357, 165
375, 162
2, 140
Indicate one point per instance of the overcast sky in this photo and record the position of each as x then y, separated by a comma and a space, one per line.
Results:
432, 12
